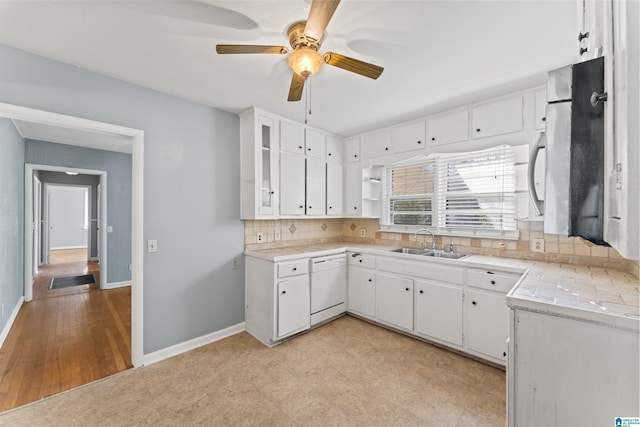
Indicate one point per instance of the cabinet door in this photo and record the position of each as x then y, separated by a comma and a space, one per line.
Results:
487, 321
335, 149
266, 162
362, 291
352, 149
439, 311
291, 138
541, 109
376, 144
294, 306
449, 128
352, 190
292, 184
409, 137
315, 143
316, 183
394, 302
335, 189
497, 118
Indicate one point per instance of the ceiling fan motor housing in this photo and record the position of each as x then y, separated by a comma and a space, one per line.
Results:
297, 37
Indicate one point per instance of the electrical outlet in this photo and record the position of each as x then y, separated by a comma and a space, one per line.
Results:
234, 264
536, 245
260, 237
276, 235
152, 246
363, 232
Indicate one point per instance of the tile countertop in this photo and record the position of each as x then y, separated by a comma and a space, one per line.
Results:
581, 292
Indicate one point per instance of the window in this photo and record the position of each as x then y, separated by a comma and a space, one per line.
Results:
454, 192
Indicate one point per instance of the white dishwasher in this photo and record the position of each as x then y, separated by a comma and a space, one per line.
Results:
328, 287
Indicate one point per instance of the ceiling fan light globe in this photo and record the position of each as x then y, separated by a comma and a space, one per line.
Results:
305, 61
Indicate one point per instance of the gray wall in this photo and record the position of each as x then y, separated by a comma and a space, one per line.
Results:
11, 217
118, 167
66, 217
80, 179
191, 189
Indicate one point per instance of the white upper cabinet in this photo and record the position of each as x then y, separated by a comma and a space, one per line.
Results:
292, 184
315, 144
335, 189
448, 128
316, 186
335, 149
409, 137
291, 137
541, 109
352, 149
497, 118
376, 144
352, 190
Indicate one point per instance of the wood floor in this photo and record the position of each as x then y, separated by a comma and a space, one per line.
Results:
65, 337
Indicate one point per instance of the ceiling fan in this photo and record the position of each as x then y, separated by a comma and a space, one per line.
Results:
305, 38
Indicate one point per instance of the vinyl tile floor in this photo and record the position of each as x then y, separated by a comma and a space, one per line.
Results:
347, 372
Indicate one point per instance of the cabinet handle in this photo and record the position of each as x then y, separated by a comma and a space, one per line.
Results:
330, 207
283, 292
419, 142
493, 282
490, 272
421, 291
360, 260
355, 207
271, 192
370, 280
433, 138
544, 119
504, 353
300, 147
294, 269
478, 130
310, 207
406, 289
355, 155
329, 154
582, 36
308, 149
301, 206
386, 148
473, 302
583, 50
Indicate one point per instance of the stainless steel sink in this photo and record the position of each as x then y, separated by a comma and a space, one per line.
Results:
430, 252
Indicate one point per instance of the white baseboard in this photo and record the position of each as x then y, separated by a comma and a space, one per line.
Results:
114, 285
12, 318
59, 248
192, 344
94, 258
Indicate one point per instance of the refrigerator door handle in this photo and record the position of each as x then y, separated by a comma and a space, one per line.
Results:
533, 158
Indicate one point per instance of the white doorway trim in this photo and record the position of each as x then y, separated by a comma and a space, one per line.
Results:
28, 198
137, 235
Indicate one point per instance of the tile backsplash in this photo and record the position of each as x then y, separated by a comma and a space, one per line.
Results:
562, 249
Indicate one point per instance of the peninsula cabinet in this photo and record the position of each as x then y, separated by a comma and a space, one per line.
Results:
259, 165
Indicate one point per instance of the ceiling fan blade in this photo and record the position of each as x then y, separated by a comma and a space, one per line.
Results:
353, 65
249, 48
297, 84
319, 17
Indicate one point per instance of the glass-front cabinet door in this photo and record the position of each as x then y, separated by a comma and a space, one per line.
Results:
267, 144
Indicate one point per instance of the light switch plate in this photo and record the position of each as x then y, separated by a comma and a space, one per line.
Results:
152, 246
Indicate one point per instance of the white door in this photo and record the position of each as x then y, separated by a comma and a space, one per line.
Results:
316, 186
439, 311
47, 226
294, 311
362, 291
292, 184
98, 222
36, 226
394, 303
335, 192
487, 323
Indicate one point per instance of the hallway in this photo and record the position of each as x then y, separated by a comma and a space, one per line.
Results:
65, 337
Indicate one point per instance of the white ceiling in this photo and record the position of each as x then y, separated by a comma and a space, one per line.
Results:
432, 51
65, 135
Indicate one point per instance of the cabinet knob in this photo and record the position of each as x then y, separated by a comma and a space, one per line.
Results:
421, 291
360, 260
308, 149
493, 282
433, 138
310, 207
283, 292
355, 207
473, 302
582, 36
271, 192
386, 148
355, 155
544, 119
504, 353
370, 280
490, 272
478, 130
330, 207
299, 147
419, 142
301, 206
406, 289
329, 153
294, 269
583, 50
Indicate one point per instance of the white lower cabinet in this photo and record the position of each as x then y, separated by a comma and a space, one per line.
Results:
439, 311
362, 291
294, 313
487, 320
394, 301
277, 299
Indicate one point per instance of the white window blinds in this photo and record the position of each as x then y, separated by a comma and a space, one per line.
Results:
473, 190
477, 190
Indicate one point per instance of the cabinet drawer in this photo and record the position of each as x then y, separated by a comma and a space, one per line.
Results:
362, 260
425, 270
487, 279
293, 268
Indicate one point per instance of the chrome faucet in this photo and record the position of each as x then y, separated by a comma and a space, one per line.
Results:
424, 243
